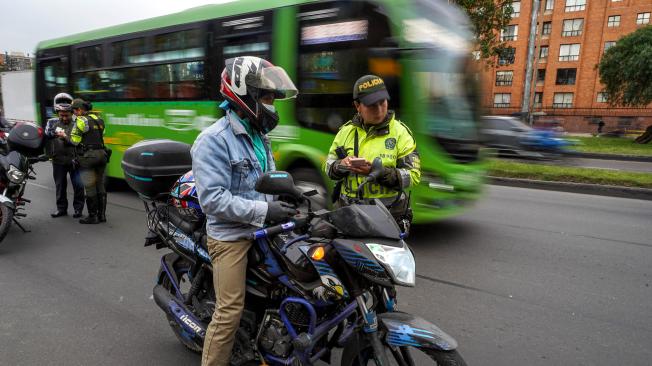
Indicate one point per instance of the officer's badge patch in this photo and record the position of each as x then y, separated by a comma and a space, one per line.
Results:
390, 143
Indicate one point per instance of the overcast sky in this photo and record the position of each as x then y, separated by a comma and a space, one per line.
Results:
24, 23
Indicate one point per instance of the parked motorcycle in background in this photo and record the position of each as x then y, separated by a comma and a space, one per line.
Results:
21, 147
324, 280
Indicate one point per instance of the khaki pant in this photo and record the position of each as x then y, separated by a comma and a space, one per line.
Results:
229, 259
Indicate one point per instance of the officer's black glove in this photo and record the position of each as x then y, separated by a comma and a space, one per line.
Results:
389, 178
278, 211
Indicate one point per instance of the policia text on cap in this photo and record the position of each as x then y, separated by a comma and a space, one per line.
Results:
374, 132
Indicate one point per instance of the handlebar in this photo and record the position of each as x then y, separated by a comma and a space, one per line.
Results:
280, 228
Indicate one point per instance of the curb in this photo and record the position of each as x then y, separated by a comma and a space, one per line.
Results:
644, 159
583, 188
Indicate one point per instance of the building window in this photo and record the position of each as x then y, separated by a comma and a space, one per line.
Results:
602, 97
504, 78
510, 33
569, 52
516, 9
566, 76
543, 53
502, 100
613, 21
550, 4
608, 45
575, 5
572, 27
541, 76
643, 18
506, 56
546, 29
538, 99
562, 100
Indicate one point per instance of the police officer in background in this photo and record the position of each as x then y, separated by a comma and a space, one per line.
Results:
62, 152
374, 132
88, 135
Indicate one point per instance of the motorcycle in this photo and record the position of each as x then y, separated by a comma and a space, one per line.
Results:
321, 281
20, 148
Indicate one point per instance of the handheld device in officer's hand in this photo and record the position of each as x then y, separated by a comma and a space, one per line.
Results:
358, 162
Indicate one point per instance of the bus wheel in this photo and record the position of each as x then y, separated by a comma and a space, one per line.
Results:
307, 179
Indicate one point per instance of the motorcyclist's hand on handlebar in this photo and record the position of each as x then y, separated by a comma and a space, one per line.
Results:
278, 211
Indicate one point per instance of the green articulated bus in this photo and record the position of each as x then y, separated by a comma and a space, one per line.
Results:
159, 78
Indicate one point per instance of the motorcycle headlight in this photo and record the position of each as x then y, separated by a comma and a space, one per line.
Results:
398, 260
15, 175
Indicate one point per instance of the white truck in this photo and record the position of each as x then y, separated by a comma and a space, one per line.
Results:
18, 95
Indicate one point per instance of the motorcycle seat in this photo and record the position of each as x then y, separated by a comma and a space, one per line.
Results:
182, 221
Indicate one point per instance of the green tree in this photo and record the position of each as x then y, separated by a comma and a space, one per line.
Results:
488, 18
626, 69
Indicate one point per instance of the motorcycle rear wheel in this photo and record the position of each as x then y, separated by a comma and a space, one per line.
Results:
176, 328
6, 216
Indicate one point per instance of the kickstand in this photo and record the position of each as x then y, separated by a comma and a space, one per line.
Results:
21, 226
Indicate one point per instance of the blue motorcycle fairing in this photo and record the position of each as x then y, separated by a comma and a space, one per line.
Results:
405, 329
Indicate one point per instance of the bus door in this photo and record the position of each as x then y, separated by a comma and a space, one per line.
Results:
243, 35
52, 78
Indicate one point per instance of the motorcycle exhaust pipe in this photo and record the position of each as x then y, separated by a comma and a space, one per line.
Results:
178, 312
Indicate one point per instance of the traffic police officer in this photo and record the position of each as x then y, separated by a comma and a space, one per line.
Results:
374, 132
88, 135
62, 152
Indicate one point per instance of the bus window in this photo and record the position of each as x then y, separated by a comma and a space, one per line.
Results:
178, 81
340, 42
55, 81
88, 58
127, 52
178, 45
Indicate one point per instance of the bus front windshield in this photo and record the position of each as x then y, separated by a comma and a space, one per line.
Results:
448, 86
450, 92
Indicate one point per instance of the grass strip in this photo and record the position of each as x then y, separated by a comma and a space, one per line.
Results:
554, 173
611, 145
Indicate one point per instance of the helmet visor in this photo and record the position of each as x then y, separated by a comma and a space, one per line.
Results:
276, 80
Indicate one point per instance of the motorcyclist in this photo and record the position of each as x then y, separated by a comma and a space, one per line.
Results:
62, 152
88, 135
374, 132
228, 158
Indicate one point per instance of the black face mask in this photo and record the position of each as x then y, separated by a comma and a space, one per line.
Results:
267, 119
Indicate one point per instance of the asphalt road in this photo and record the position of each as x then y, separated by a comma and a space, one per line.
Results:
526, 277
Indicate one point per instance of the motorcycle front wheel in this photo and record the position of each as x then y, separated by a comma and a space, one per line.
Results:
6, 216
403, 356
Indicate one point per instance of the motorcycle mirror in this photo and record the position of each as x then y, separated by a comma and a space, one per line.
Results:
278, 183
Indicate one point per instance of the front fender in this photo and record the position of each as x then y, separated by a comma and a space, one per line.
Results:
410, 330
7, 202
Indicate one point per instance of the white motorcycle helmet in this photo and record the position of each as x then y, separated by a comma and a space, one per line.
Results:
62, 102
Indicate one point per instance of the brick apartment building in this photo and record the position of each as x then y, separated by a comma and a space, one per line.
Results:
571, 37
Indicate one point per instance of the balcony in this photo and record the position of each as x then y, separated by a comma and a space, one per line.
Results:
573, 33
562, 105
569, 58
501, 105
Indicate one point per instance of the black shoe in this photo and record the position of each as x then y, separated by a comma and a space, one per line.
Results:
92, 220
91, 207
77, 214
59, 213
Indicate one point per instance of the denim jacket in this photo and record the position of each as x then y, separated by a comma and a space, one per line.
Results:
226, 170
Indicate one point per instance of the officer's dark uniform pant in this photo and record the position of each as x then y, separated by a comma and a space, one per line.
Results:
93, 179
60, 174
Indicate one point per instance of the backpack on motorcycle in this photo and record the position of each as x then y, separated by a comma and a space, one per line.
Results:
27, 139
152, 167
